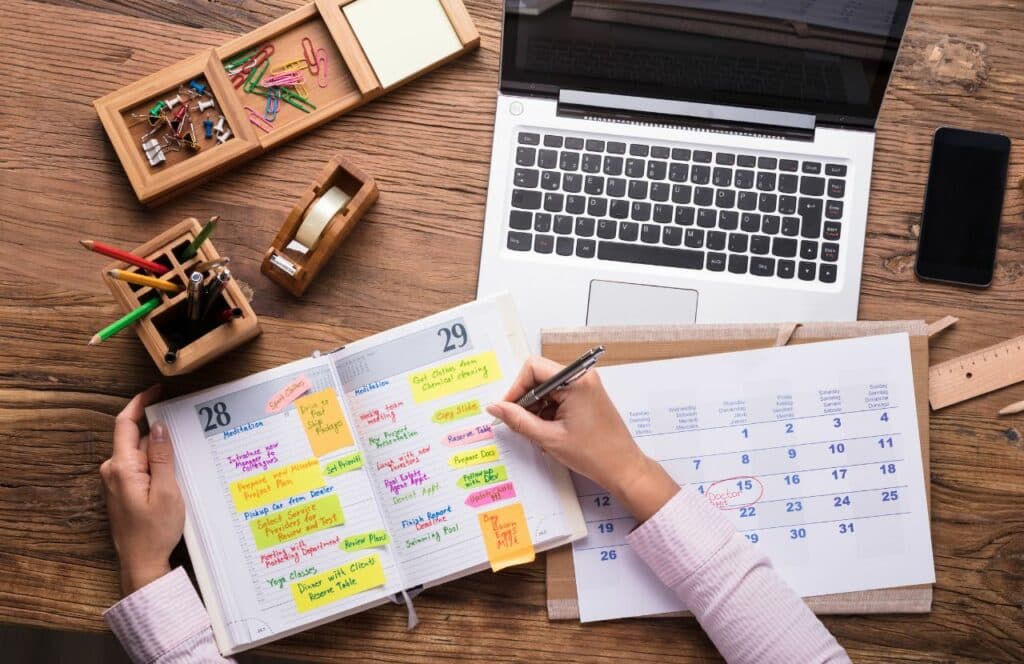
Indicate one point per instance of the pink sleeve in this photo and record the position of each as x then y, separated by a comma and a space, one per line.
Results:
164, 623
748, 611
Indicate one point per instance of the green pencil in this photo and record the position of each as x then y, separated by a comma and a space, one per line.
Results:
193, 246
124, 321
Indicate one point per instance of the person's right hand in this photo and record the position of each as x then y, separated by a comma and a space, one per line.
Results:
582, 429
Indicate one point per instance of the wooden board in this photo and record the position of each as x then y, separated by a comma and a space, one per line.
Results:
977, 373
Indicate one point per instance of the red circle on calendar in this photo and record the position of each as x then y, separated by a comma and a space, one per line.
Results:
732, 493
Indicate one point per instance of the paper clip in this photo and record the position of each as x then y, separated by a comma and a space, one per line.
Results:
238, 62
296, 100
321, 65
282, 78
253, 79
309, 53
273, 105
257, 119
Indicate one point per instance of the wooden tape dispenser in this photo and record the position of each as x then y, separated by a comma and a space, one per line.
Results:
324, 216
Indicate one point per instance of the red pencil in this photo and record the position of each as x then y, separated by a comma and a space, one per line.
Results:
122, 255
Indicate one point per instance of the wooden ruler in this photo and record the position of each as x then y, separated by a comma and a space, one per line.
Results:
976, 373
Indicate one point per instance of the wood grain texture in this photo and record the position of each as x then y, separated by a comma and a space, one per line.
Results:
416, 253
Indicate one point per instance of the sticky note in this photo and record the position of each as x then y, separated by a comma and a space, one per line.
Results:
454, 377
288, 394
457, 412
474, 457
368, 540
469, 435
351, 578
343, 464
506, 536
490, 495
483, 477
276, 484
324, 422
302, 519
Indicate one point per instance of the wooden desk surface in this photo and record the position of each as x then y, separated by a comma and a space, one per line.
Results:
428, 145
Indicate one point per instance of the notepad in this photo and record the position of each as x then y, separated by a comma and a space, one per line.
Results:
335, 483
811, 451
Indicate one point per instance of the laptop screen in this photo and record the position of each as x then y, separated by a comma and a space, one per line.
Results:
827, 58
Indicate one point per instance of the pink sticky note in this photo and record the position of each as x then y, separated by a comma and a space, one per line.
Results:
288, 394
491, 495
469, 435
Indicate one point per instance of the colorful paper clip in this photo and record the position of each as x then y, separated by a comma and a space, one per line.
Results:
273, 105
309, 53
281, 79
321, 64
256, 119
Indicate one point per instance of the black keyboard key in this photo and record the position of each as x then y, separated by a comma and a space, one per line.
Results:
684, 215
594, 145
526, 200
679, 172
760, 245
835, 170
547, 158
834, 210
766, 181
738, 242
527, 138
682, 194
827, 274
728, 220
812, 167
762, 267
519, 241
650, 234
575, 204
812, 186
707, 218
593, 185
725, 198
767, 162
704, 196
810, 213
836, 188
574, 143
638, 253
563, 224
640, 211
830, 252
672, 236
700, 174
635, 168
786, 269
618, 209
659, 152
725, 159
616, 147
662, 213
569, 161
833, 230
542, 222
615, 187
552, 141
553, 202
808, 250
660, 191
572, 182
721, 177
606, 229
737, 264
526, 156
788, 184
746, 200
767, 203
564, 245
791, 226
783, 247
702, 156
656, 170
746, 161
638, 189
629, 231
770, 224
680, 154
520, 220
639, 150
550, 180
716, 240
787, 204
613, 165
806, 271
744, 179
750, 222
716, 262
694, 237
544, 244
586, 248
526, 177
597, 207
591, 163
788, 165
585, 227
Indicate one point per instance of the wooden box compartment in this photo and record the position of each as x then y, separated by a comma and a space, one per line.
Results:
166, 327
295, 270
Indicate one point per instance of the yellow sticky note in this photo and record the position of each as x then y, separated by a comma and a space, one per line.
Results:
302, 519
276, 484
353, 577
343, 464
324, 422
369, 540
474, 457
506, 536
455, 376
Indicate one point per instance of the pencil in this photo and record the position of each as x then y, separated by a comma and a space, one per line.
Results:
122, 255
1013, 408
143, 280
207, 231
124, 321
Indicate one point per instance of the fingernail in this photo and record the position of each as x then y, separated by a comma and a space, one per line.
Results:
158, 432
494, 409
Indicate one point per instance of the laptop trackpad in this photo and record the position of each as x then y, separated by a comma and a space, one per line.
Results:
617, 303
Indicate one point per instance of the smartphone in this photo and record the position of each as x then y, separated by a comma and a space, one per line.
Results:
962, 206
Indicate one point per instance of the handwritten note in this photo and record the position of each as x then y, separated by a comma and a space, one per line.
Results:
490, 495
292, 522
343, 464
324, 422
276, 484
288, 394
457, 412
470, 435
455, 376
368, 540
474, 457
483, 477
506, 536
351, 578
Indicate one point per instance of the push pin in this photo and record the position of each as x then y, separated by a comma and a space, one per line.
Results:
208, 127
200, 88
173, 101
219, 127
223, 136
157, 107
204, 105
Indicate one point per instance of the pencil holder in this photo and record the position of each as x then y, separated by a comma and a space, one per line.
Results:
324, 216
167, 327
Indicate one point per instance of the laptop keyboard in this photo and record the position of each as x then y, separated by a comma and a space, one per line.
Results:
692, 209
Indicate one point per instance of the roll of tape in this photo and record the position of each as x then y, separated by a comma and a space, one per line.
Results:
319, 215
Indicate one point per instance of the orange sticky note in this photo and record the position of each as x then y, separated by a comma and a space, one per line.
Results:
506, 536
324, 422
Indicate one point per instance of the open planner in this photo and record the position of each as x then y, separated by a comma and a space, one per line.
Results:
339, 482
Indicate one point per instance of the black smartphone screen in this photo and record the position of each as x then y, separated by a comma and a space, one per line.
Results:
960, 224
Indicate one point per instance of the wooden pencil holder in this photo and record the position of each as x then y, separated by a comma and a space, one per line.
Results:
165, 328
285, 262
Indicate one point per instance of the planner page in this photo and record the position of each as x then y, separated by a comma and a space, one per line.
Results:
283, 527
458, 493
812, 451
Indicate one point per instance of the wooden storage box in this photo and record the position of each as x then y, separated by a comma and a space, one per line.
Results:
351, 80
162, 328
294, 270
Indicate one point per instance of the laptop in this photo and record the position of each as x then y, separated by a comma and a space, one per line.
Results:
680, 161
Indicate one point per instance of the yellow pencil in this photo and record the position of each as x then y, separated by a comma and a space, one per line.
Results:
143, 280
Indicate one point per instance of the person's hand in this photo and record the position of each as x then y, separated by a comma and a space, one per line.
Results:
147, 513
581, 428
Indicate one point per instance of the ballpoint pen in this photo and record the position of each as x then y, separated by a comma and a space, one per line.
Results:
560, 380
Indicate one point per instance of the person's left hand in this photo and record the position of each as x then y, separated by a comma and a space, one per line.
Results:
147, 513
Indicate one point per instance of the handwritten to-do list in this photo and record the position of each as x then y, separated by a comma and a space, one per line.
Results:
812, 451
